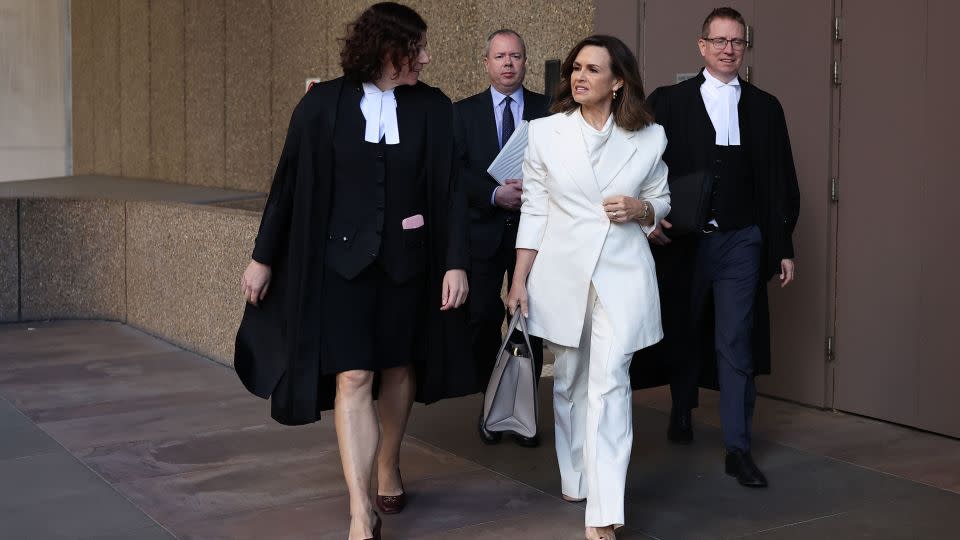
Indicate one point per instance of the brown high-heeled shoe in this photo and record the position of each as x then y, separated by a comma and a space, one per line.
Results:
392, 504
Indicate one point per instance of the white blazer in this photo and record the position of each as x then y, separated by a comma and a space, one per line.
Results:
562, 218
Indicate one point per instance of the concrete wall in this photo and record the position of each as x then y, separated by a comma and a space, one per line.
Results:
170, 269
183, 269
72, 259
33, 86
200, 91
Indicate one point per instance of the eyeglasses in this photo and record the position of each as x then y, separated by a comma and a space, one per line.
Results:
721, 43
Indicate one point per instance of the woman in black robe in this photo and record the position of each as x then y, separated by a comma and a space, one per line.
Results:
359, 263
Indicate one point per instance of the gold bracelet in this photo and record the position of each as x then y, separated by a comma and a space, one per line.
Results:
646, 210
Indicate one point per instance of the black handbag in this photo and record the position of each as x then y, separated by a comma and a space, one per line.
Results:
689, 201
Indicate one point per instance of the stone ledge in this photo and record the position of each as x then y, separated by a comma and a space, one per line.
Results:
168, 268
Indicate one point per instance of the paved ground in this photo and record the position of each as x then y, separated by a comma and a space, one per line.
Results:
106, 432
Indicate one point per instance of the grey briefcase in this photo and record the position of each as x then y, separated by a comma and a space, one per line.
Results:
510, 403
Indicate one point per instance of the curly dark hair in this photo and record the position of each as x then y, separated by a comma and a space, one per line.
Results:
386, 29
630, 110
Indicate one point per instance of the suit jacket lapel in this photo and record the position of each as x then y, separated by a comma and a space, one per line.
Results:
573, 153
618, 152
488, 128
744, 107
700, 127
410, 117
351, 122
529, 107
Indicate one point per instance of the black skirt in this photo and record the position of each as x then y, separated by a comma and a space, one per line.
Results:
370, 322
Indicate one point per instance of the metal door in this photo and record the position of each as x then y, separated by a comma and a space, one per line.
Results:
897, 293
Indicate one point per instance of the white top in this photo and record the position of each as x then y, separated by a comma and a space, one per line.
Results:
595, 141
720, 100
380, 111
577, 245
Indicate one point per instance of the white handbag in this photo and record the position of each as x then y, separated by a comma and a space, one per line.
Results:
511, 403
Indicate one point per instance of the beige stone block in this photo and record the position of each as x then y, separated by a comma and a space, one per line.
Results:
135, 88
166, 90
9, 261
248, 81
550, 29
204, 71
106, 114
72, 259
84, 84
299, 36
184, 265
455, 34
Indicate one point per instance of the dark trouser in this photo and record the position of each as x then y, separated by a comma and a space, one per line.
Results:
728, 263
487, 312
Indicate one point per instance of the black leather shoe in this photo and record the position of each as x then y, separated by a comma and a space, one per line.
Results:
681, 427
527, 442
740, 465
488, 437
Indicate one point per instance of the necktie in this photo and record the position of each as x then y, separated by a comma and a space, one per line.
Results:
507, 130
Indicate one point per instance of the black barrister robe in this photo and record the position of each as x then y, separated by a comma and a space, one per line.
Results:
690, 139
278, 345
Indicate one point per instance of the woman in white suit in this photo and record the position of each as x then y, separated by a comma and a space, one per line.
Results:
594, 185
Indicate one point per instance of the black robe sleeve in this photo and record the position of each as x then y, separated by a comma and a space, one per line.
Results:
790, 195
275, 223
458, 252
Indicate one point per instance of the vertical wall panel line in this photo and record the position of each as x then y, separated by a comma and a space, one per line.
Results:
119, 92
19, 266
183, 62
150, 145
68, 84
223, 94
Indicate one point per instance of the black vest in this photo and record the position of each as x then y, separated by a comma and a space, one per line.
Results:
375, 187
733, 199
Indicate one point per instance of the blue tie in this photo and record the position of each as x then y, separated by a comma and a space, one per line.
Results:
508, 126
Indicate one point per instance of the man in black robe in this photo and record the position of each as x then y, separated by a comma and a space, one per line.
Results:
713, 282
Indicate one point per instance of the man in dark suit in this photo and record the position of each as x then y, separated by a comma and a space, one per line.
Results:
713, 283
484, 124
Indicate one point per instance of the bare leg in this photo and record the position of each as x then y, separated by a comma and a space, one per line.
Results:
601, 533
357, 435
397, 389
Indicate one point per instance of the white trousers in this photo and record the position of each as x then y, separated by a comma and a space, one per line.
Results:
594, 418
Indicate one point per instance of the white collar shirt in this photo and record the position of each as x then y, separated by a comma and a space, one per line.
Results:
516, 107
720, 100
379, 109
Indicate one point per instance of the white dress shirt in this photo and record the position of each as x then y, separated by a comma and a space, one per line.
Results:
720, 100
516, 106
380, 111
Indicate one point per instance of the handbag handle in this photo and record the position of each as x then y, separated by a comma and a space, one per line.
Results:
517, 320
